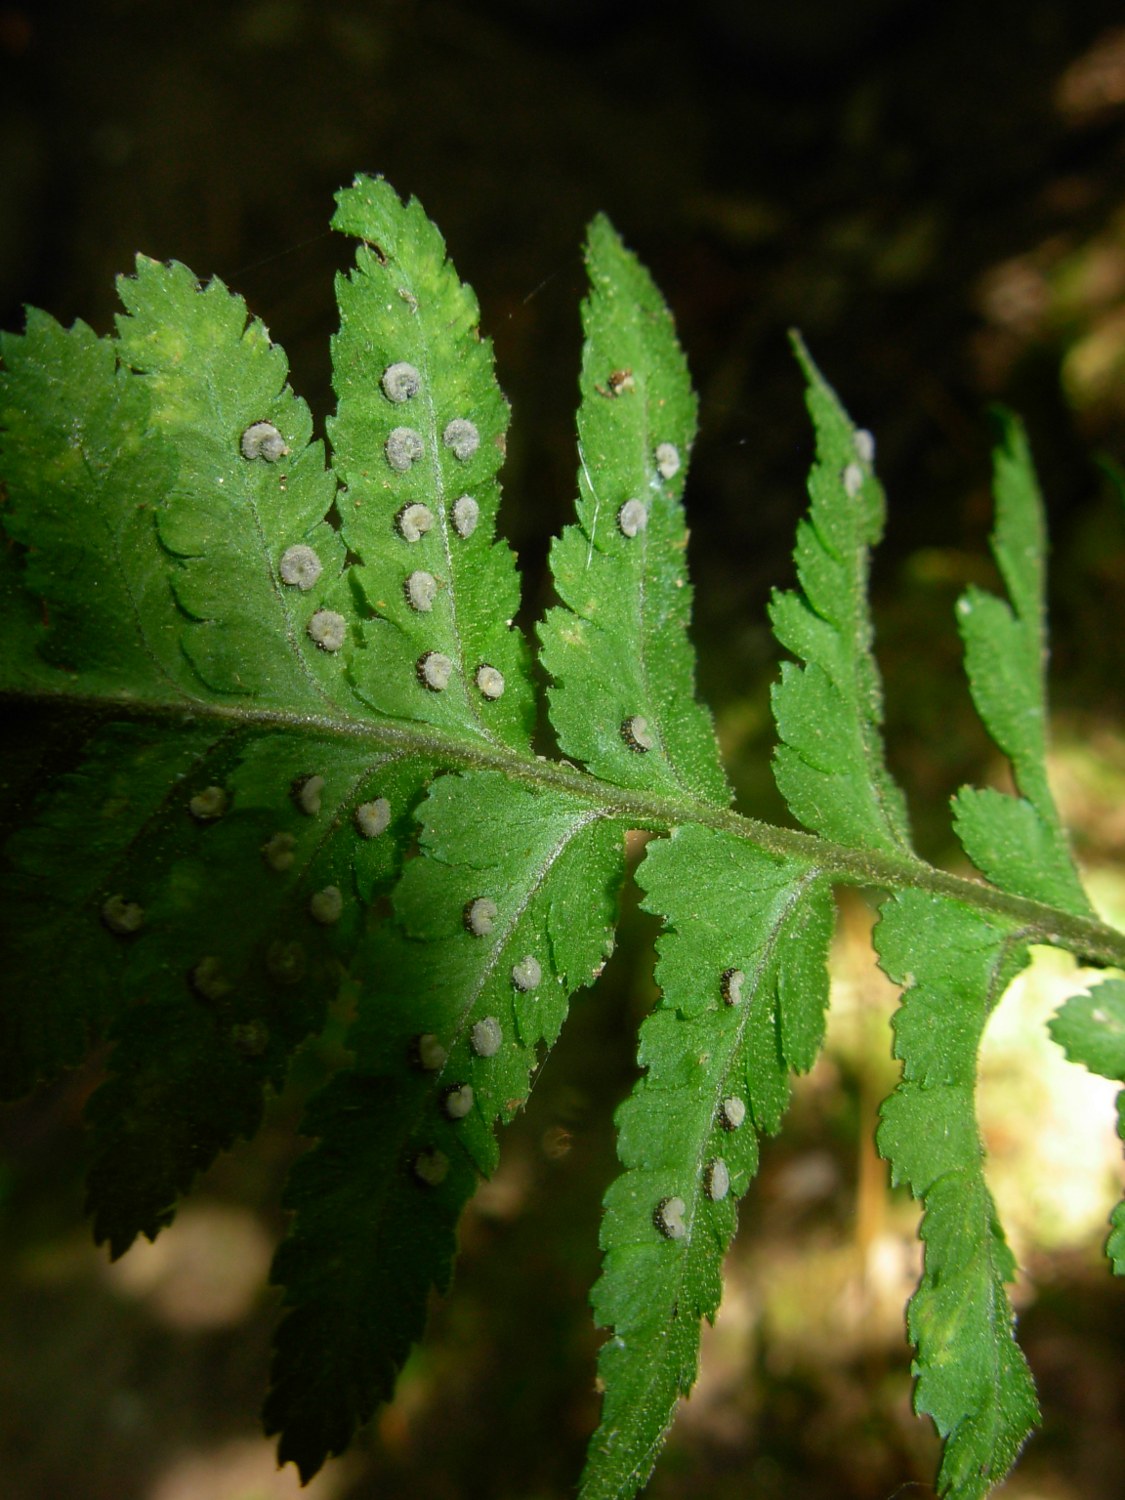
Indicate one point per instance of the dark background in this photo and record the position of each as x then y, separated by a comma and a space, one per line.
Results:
935, 195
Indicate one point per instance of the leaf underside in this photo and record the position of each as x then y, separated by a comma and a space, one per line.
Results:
442, 1010
622, 696
310, 709
971, 1376
1018, 842
717, 1052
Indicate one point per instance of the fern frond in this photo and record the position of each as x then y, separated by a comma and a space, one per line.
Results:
418, 440
75, 438
830, 765
250, 486
509, 911
744, 985
623, 694
1017, 842
75, 909
285, 664
972, 1379
266, 908
209, 861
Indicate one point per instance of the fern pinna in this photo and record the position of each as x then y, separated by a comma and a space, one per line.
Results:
298, 670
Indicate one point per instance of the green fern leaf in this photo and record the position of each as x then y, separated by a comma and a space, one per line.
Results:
76, 437
268, 945
744, 986
285, 661
509, 911
829, 766
622, 701
183, 563
1019, 843
418, 441
623, 694
65, 962
22, 669
1090, 1029
217, 394
971, 1376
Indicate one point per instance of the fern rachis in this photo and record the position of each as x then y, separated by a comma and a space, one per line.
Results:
306, 671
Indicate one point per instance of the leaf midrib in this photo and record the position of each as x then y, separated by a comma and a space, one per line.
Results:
1088, 939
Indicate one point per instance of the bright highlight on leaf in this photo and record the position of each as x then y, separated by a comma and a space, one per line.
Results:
303, 778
